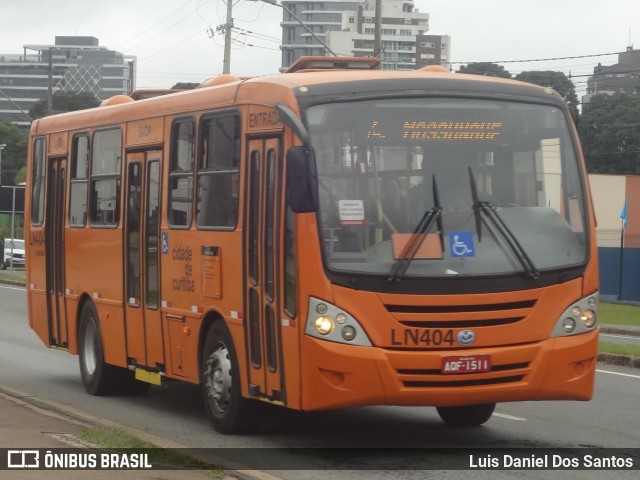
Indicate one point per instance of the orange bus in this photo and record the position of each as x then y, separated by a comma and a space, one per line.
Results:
332, 236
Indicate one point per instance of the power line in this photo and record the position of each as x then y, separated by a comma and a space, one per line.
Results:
172, 46
542, 59
153, 26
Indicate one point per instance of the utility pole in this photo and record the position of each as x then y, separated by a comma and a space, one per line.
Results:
226, 65
50, 84
377, 36
2, 145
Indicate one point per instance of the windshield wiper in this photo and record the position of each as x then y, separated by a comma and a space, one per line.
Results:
418, 236
491, 213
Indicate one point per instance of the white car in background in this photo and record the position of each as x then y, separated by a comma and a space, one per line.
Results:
13, 248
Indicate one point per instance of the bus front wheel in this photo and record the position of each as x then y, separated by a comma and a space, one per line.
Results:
98, 377
467, 415
228, 411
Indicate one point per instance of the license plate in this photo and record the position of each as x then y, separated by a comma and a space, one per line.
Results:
466, 364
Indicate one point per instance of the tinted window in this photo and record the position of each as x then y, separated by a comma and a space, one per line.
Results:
181, 173
218, 172
105, 177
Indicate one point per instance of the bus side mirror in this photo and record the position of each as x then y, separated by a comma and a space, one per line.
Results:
302, 179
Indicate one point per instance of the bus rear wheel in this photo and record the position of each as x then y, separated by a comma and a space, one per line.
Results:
228, 411
467, 415
98, 377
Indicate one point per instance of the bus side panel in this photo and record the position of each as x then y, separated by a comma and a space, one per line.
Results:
72, 305
187, 293
37, 285
100, 248
38, 316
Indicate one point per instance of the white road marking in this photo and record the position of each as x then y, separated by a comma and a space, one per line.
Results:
618, 373
510, 417
21, 289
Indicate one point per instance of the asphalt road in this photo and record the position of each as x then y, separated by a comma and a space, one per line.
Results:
175, 412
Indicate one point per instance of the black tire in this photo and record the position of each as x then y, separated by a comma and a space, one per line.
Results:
227, 410
467, 415
98, 377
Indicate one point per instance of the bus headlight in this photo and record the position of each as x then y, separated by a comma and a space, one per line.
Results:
328, 322
569, 325
588, 318
349, 333
323, 325
580, 317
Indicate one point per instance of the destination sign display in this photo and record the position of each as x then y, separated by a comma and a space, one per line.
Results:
434, 130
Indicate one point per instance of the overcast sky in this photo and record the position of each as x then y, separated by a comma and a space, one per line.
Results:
172, 43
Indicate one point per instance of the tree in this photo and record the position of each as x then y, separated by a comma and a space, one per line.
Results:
610, 133
556, 80
21, 176
185, 85
14, 155
64, 102
485, 68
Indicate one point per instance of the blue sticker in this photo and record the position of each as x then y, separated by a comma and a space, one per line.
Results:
165, 243
461, 244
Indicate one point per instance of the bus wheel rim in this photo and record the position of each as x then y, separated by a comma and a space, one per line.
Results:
90, 339
218, 380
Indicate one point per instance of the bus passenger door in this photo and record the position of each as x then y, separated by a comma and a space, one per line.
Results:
142, 319
263, 304
54, 252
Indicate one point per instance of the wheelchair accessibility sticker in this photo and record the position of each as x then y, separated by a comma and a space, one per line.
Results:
461, 244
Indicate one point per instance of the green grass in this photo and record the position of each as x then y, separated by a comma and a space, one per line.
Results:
619, 349
618, 314
119, 440
4, 275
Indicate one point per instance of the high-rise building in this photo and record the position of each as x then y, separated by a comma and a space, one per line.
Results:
347, 27
76, 64
622, 77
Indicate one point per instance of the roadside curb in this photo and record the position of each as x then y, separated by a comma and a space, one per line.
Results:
620, 331
620, 360
42, 406
15, 283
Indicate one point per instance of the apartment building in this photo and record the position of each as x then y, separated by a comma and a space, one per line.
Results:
347, 27
621, 77
72, 63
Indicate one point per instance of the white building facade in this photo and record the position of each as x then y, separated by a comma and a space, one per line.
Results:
73, 63
348, 29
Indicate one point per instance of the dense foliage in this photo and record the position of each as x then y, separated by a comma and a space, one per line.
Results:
64, 102
609, 131
14, 154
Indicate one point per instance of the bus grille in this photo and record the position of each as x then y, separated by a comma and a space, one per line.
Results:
462, 383
499, 374
461, 316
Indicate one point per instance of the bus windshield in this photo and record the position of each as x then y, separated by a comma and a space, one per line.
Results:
502, 176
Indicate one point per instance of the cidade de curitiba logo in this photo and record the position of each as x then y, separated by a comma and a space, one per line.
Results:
466, 337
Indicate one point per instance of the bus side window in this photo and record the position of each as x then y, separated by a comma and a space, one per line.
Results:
37, 182
218, 172
181, 173
78, 194
105, 177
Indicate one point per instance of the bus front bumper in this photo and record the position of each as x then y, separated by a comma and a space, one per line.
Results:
338, 375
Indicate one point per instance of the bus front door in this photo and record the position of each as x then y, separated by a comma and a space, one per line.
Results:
263, 302
54, 252
142, 319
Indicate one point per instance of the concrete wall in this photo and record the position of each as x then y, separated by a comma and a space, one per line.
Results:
619, 267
